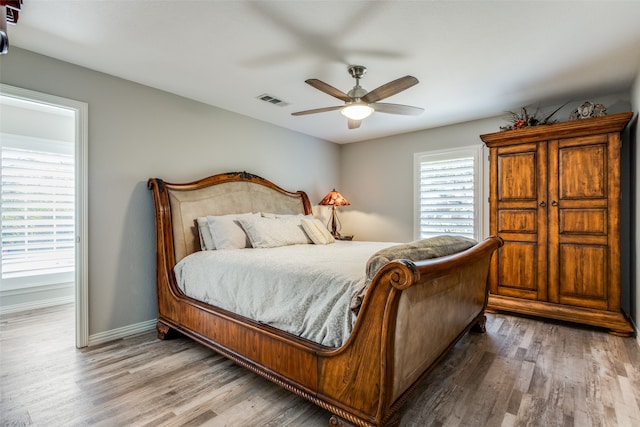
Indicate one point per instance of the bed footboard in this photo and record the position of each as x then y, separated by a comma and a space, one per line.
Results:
413, 314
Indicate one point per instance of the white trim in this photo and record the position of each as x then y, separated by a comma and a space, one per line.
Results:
24, 282
484, 162
82, 225
123, 332
14, 308
37, 144
479, 185
36, 289
81, 111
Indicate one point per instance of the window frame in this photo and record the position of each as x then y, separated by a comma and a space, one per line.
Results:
479, 179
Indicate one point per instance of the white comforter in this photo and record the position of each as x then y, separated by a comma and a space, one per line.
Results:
305, 290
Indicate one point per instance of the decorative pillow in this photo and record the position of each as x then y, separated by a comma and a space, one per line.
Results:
317, 232
206, 240
226, 231
432, 247
273, 232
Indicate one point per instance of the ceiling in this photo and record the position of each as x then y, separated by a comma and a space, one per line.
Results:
473, 59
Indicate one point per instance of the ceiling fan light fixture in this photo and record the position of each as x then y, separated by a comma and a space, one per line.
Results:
357, 111
360, 104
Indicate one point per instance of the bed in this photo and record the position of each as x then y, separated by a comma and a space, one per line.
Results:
411, 312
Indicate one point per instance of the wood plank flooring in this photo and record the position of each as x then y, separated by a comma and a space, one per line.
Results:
522, 372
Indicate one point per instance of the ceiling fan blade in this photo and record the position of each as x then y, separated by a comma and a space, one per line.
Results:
405, 110
389, 89
354, 124
317, 110
328, 89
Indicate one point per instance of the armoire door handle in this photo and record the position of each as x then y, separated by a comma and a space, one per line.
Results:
554, 203
543, 204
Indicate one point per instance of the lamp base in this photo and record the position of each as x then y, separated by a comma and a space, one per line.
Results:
334, 223
343, 237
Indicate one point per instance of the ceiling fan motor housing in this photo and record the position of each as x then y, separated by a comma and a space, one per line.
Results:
357, 92
357, 71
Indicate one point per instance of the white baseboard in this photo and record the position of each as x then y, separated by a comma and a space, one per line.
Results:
14, 308
125, 331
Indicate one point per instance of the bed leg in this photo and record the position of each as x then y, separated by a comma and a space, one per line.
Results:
336, 421
480, 325
164, 331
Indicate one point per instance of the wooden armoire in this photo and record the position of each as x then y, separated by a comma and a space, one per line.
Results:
555, 201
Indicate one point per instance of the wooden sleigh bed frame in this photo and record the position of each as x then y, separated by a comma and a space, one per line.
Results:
412, 315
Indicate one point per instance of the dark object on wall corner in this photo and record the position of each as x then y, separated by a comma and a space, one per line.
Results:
4, 39
588, 110
12, 8
9, 13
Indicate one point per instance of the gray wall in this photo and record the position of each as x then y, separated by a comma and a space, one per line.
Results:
136, 132
377, 175
377, 178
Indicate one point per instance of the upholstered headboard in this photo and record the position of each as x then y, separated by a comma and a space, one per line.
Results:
235, 192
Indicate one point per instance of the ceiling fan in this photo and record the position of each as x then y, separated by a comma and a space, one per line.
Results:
360, 104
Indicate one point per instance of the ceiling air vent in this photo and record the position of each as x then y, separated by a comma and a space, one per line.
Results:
272, 100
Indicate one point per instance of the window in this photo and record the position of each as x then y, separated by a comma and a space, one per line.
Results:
37, 202
448, 192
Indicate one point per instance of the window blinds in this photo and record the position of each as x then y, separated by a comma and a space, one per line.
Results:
37, 212
447, 197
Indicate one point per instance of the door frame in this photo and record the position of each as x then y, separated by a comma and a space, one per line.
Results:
81, 111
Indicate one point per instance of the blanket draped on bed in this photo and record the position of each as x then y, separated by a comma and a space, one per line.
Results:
432, 247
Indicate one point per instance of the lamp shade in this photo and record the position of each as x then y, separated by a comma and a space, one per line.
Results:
333, 198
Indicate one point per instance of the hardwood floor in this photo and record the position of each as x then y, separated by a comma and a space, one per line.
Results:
522, 372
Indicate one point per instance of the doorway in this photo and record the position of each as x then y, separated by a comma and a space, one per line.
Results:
44, 202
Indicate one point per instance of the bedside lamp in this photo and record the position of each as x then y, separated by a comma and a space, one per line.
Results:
334, 199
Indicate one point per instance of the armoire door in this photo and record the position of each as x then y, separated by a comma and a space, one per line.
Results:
518, 205
584, 188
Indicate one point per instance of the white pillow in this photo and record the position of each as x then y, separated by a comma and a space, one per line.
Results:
226, 231
206, 240
317, 232
273, 232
